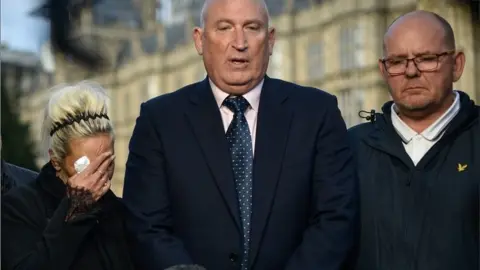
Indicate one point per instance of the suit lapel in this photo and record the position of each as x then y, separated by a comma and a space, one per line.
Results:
273, 124
205, 119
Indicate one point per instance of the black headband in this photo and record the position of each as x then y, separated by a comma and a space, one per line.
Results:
71, 119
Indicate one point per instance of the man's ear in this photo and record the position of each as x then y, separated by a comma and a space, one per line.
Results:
458, 65
198, 39
271, 39
381, 67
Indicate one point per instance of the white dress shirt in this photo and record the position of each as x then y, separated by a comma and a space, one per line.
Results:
253, 97
417, 145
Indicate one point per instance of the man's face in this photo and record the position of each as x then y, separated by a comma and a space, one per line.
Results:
236, 44
422, 37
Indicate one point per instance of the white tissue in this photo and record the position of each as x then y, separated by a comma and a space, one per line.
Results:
81, 164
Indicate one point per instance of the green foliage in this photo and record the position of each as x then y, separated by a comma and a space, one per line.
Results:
17, 147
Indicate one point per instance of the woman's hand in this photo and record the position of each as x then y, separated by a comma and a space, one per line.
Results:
94, 179
88, 186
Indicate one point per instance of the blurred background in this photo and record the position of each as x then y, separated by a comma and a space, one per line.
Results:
139, 49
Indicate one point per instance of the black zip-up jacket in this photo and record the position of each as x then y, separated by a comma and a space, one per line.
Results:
37, 236
423, 217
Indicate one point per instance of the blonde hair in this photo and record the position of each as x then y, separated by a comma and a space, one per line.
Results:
75, 111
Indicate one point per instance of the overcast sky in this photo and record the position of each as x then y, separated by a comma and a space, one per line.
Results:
18, 29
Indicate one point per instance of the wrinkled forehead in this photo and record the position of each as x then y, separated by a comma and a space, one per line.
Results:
414, 36
237, 11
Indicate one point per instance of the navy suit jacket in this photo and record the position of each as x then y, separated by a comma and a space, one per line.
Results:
13, 176
180, 189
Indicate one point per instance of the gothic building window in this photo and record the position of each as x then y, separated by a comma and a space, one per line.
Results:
352, 48
315, 60
350, 102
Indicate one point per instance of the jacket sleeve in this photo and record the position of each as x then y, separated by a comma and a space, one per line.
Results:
145, 194
28, 245
330, 240
24, 176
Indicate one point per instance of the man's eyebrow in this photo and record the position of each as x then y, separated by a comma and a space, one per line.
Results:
246, 22
389, 56
255, 21
426, 52
402, 55
223, 20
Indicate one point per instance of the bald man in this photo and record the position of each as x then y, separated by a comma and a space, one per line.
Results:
241, 171
419, 160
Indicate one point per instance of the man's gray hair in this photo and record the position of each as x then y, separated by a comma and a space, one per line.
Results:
203, 13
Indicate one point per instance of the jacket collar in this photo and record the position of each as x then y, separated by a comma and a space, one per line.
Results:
385, 138
434, 131
50, 182
466, 116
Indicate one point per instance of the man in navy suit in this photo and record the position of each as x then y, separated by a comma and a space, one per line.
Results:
241, 171
13, 176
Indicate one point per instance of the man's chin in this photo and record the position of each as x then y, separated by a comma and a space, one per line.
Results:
238, 83
415, 107
239, 86
238, 89
238, 80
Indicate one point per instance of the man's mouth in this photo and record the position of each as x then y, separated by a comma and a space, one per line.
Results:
414, 88
238, 61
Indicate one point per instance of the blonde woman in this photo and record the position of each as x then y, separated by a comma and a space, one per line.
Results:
68, 218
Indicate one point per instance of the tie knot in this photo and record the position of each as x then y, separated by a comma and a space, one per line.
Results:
236, 104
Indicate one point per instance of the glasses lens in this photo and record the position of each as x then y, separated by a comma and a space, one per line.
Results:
394, 66
426, 65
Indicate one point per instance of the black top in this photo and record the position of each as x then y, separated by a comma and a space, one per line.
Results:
422, 216
13, 176
36, 236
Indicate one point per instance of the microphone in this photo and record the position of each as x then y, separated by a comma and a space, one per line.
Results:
369, 117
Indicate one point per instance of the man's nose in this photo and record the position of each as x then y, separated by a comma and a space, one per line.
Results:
240, 43
411, 69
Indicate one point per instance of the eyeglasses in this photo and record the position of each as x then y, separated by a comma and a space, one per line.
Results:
426, 62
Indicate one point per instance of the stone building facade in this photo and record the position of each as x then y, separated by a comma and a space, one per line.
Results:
330, 44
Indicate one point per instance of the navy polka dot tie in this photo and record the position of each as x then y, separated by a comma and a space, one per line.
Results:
238, 136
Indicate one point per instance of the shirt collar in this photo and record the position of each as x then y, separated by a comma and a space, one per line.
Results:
252, 96
403, 130
433, 131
